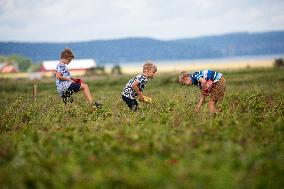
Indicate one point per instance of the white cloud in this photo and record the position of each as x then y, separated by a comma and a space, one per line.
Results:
68, 20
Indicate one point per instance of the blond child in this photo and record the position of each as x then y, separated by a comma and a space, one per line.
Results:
66, 85
210, 82
136, 85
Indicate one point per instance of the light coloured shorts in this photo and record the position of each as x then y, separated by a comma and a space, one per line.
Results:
218, 89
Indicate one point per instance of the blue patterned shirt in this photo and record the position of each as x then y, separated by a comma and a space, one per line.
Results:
129, 92
62, 85
205, 74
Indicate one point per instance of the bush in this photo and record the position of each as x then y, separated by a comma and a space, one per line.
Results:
99, 70
278, 63
116, 70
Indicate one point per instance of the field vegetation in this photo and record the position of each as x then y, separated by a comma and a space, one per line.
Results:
46, 144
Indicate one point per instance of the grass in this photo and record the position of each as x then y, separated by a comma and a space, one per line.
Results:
45, 144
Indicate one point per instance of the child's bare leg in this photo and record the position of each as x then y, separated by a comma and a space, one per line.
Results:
87, 92
212, 105
201, 101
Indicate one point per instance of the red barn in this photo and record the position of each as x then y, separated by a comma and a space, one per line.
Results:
8, 68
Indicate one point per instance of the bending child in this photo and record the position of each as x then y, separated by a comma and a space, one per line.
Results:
136, 85
210, 82
66, 85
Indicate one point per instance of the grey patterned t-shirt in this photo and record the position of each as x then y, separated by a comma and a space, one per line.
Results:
129, 92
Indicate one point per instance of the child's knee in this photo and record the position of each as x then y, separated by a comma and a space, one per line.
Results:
84, 86
212, 103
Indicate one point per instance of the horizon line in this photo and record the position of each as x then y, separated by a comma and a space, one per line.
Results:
150, 38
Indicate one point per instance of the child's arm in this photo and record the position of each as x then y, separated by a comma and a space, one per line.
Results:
205, 86
136, 88
59, 76
203, 83
73, 79
201, 101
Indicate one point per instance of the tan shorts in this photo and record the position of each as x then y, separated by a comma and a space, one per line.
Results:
218, 89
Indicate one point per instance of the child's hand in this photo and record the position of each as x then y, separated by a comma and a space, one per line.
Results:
141, 97
205, 92
207, 87
196, 110
78, 81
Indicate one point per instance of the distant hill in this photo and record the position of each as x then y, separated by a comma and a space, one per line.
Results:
141, 49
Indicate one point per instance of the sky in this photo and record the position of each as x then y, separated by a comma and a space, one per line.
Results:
84, 20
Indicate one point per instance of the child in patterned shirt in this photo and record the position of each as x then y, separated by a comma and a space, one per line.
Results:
136, 85
66, 85
210, 82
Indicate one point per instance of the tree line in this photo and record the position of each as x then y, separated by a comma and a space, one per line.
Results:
22, 63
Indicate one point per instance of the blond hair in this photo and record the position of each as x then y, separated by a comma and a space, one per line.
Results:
182, 75
148, 65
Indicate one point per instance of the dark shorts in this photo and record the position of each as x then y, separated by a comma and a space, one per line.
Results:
131, 103
73, 88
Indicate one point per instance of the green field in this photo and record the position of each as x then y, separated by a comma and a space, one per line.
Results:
45, 144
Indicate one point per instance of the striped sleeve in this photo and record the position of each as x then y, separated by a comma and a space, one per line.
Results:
217, 76
198, 75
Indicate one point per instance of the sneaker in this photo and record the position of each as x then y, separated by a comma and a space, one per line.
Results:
98, 105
